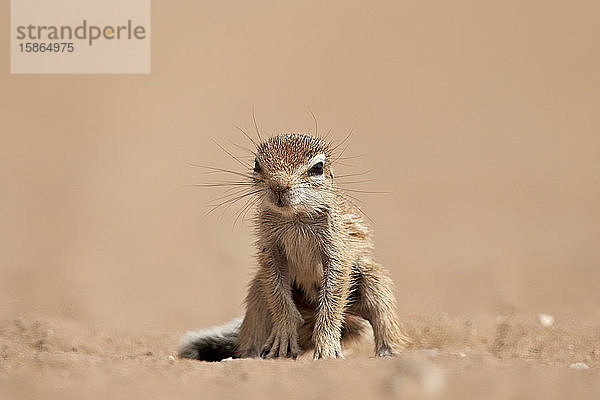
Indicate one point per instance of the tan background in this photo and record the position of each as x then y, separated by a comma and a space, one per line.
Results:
480, 118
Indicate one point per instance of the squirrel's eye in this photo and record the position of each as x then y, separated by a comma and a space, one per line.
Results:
256, 166
316, 169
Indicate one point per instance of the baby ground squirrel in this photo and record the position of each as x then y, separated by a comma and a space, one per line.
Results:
316, 282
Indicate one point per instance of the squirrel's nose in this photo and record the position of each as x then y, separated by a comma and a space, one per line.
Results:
279, 187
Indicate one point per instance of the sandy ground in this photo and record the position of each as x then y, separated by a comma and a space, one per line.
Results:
479, 119
508, 358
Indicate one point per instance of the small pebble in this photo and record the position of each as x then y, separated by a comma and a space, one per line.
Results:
546, 319
429, 352
171, 358
579, 365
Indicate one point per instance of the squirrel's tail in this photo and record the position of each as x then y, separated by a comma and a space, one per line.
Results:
212, 344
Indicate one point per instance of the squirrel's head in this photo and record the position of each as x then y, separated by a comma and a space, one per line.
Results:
293, 173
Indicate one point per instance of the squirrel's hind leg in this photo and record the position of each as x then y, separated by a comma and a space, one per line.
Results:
377, 304
256, 326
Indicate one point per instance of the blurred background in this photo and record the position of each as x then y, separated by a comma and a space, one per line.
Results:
481, 120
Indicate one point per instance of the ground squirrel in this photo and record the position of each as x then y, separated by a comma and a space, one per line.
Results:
317, 283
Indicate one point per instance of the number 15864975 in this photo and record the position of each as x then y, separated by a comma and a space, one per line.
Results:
58, 47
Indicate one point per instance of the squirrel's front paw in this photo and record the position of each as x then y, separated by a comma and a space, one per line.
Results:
328, 350
281, 343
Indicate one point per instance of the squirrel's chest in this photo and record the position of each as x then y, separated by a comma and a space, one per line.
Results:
304, 261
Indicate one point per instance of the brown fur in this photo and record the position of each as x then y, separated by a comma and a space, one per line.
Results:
316, 282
